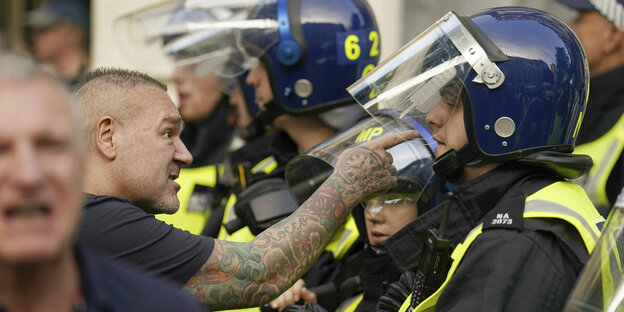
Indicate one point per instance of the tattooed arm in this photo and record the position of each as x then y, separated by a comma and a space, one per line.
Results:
251, 274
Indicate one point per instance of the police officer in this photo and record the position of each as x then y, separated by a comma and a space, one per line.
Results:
300, 73
363, 277
504, 92
299, 64
599, 28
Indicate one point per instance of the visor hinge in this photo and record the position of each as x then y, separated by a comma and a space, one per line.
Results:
491, 76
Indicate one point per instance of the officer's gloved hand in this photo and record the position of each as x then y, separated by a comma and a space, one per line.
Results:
310, 307
397, 292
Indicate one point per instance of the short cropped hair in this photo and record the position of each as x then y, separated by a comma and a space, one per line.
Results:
105, 92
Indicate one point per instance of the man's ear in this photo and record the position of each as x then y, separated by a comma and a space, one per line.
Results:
615, 40
104, 137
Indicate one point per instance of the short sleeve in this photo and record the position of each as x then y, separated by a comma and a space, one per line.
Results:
114, 227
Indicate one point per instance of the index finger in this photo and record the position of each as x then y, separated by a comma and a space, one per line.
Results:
391, 140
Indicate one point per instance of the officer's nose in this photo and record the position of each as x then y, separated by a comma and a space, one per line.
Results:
253, 78
435, 117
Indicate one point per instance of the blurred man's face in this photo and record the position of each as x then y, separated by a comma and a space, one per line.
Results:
40, 172
150, 152
199, 96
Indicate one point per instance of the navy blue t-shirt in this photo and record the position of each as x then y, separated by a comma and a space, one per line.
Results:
114, 227
110, 286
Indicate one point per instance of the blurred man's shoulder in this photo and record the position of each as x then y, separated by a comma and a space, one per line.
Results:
113, 285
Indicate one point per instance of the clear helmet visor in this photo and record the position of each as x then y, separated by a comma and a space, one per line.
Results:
202, 34
387, 213
424, 80
600, 286
412, 159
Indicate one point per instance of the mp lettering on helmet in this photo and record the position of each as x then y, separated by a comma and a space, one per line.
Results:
368, 134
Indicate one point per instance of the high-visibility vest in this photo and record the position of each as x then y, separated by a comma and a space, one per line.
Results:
560, 200
344, 237
350, 304
339, 244
194, 210
604, 151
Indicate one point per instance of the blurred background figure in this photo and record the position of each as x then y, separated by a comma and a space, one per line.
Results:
599, 28
204, 107
41, 165
59, 37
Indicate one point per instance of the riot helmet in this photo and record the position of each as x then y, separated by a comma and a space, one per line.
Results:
313, 52
519, 74
413, 160
194, 34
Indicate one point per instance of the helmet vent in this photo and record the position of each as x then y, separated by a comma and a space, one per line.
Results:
303, 88
504, 127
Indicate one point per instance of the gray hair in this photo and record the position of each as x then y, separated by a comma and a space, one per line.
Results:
16, 68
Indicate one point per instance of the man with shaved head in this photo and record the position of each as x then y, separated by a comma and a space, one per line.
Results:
41, 166
135, 154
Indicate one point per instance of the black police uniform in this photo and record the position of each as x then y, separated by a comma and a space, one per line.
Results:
527, 268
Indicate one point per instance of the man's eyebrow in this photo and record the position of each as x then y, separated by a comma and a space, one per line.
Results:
173, 120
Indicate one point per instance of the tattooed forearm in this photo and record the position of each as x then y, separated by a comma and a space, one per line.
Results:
251, 274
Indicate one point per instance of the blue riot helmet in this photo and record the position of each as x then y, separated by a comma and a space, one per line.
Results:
399, 205
315, 50
413, 159
520, 73
190, 33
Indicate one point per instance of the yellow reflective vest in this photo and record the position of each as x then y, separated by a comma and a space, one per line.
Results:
339, 244
195, 183
350, 304
604, 151
560, 200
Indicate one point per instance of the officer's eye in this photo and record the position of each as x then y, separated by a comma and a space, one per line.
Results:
168, 134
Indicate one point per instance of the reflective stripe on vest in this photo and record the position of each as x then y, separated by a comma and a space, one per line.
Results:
243, 235
339, 244
350, 304
561, 200
344, 238
605, 152
190, 220
266, 166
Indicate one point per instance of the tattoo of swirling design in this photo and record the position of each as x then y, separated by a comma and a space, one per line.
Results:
359, 169
251, 274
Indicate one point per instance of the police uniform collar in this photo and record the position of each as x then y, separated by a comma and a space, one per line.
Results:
470, 203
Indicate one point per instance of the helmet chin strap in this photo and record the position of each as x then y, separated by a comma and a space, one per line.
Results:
448, 167
264, 119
